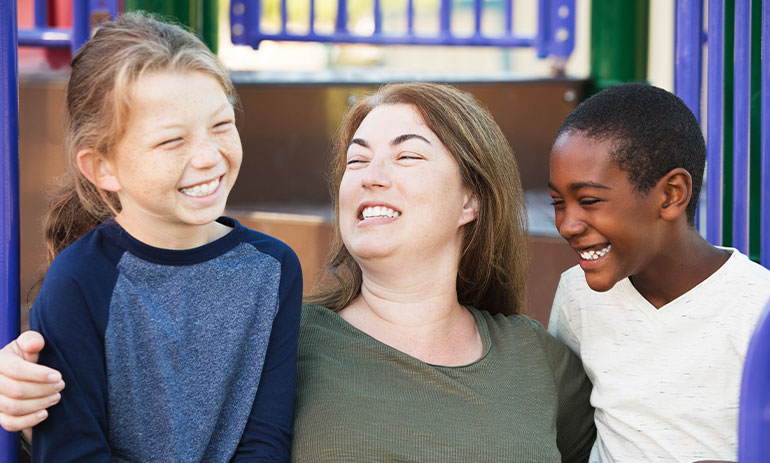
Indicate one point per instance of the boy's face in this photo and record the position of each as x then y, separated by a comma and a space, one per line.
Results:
612, 228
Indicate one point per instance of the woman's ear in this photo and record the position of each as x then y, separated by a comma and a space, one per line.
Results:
97, 170
676, 190
470, 209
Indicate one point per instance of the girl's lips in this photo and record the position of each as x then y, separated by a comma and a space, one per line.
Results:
202, 189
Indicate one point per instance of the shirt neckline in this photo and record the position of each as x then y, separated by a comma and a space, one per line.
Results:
177, 256
630, 291
481, 325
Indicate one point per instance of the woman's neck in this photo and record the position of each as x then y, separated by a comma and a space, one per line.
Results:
418, 315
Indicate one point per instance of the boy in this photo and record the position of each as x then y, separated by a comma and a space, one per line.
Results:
660, 318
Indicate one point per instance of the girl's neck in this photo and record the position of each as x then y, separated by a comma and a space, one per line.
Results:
182, 236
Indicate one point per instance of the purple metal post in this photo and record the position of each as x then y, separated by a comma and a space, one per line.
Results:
445, 18
9, 196
754, 411
477, 12
562, 25
377, 17
715, 116
764, 215
311, 20
342, 17
284, 16
688, 53
81, 24
543, 37
741, 127
41, 14
508, 12
410, 17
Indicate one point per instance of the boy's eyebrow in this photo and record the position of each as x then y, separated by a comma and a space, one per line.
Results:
579, 185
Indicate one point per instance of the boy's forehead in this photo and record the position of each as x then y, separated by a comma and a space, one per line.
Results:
577, 158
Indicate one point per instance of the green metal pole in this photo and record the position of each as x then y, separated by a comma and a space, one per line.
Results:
619, 41
202, 16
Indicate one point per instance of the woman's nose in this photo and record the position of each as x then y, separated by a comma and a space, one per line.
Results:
377, 174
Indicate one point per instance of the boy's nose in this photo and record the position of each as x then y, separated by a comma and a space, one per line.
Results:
570, 225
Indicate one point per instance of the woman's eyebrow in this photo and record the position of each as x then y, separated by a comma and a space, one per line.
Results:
358, 141
408, 136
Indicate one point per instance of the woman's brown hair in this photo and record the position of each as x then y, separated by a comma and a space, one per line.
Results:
495, 257
104, 75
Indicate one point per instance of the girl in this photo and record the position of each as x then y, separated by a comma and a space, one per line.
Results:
174, 329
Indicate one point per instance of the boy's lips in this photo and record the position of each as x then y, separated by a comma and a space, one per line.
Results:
593, 252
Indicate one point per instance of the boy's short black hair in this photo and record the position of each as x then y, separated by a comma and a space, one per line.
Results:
653, 130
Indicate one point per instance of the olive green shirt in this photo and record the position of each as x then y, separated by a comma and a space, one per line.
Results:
526, 399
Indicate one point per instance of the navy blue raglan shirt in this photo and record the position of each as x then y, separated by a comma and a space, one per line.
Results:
170, 355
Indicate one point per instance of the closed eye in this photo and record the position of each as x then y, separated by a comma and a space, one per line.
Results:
170, 143
410, 156
588, 202
223, 124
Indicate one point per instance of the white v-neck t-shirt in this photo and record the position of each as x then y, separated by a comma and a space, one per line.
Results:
666, 382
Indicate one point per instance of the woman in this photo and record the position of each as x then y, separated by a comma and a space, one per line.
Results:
413, 350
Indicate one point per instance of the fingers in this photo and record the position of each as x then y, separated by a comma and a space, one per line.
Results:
18, 423
13, 389
14, 366
30, 343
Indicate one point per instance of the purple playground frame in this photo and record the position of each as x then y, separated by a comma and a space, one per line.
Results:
555, 33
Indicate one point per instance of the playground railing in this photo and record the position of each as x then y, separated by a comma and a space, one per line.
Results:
689, 38
555, 35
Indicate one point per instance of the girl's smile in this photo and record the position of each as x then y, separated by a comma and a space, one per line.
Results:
177, 161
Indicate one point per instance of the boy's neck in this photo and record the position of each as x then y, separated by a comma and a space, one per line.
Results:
686, 261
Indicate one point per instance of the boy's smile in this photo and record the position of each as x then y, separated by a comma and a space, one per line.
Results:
611, 226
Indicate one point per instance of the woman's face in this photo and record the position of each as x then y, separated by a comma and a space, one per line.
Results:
401, 193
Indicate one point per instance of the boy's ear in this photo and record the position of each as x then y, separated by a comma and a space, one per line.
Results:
97, 170
676, 190
470, 209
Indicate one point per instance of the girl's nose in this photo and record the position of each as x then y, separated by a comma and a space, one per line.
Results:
206, 154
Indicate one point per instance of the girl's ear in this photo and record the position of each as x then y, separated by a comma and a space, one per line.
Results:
97, 170
470, 209
676, 192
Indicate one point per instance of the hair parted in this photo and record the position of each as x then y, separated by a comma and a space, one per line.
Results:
652, 130
99, 95
495, 258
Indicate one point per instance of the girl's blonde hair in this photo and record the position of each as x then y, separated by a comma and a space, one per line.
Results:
495, 257
104, 75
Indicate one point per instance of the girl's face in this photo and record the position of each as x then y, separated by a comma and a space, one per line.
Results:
401, 193
179, 157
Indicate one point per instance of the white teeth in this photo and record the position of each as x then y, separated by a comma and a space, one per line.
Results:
593, 255
378, 211
204, 189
